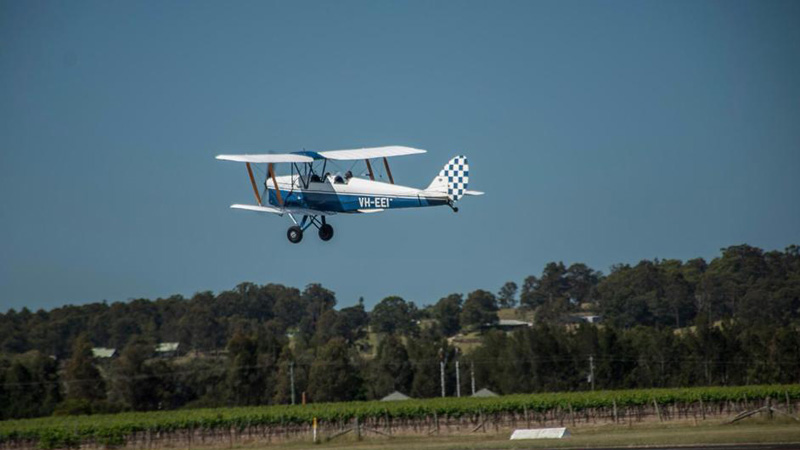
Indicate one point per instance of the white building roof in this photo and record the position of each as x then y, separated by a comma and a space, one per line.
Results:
484, 393
513, 323
395, 396
163, 347
102, 352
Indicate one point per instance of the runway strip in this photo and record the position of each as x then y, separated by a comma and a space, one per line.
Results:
714, 447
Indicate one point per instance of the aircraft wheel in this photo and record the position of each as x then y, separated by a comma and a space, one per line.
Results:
325, 232
295, 234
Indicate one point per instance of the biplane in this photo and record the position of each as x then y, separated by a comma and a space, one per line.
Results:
310, 192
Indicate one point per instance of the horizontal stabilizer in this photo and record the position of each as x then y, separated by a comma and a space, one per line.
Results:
368, 211
468, 192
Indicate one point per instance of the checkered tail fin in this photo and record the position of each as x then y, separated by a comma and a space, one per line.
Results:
452, 179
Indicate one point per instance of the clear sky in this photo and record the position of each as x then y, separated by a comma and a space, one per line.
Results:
602, 132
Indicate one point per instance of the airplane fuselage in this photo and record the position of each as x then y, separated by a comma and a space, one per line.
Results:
356, 195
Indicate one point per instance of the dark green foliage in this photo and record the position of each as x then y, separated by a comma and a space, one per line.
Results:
333, 376
29, 386
283, 387
394, 315
135, 383
507, 296
391, 369
82, 378
480, 309
245, 377
447, 312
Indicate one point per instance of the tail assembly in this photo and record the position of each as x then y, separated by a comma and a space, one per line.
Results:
452, 179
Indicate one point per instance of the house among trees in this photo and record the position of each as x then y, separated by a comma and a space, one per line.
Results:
167, 349
584, 318
395, 396
508, 325
102, 352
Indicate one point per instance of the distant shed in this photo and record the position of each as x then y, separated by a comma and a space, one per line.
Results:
102, 352
395, 396
167, 349
508, 325
484, 393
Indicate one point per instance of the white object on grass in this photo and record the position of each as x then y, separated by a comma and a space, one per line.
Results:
540, 433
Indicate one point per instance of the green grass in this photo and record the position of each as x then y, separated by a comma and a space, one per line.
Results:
777, 431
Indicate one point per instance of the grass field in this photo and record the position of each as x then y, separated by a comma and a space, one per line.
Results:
675, 434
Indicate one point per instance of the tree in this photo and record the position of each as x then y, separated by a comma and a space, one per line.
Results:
447, 311
333, 376
200, 329
318, 301
353, 322
527, 297
424, 355
28, 386
134, 383
479, 309
349, 323
581, 282
245, 379
508, 295
393, 314
391, 369
289, 307
82, 378
283, 381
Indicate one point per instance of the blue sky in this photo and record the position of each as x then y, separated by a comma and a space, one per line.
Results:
602, 132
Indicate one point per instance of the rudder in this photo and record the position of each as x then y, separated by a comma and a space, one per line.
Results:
452, 179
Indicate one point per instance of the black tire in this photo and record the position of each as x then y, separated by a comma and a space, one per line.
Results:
325, 232
295, 234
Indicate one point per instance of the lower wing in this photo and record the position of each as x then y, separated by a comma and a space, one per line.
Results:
282, 211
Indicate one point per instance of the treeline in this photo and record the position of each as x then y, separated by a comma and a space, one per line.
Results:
665, 323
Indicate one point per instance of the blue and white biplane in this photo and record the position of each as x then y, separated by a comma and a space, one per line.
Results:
311, 192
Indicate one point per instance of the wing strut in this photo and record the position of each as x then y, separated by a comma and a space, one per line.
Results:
369, 166
388, 172
253, 182
275, 182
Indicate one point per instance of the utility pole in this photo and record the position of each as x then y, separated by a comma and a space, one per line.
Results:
291, 377
441, 368
591, 370
458, 375
472, 375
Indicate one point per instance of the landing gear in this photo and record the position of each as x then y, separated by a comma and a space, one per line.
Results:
453, 207
325, 232
295, 234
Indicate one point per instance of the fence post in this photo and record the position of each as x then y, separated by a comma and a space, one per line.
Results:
658, 411
314, 428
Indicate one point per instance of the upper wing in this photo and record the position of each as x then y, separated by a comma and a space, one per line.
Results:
367, 153
269, 158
